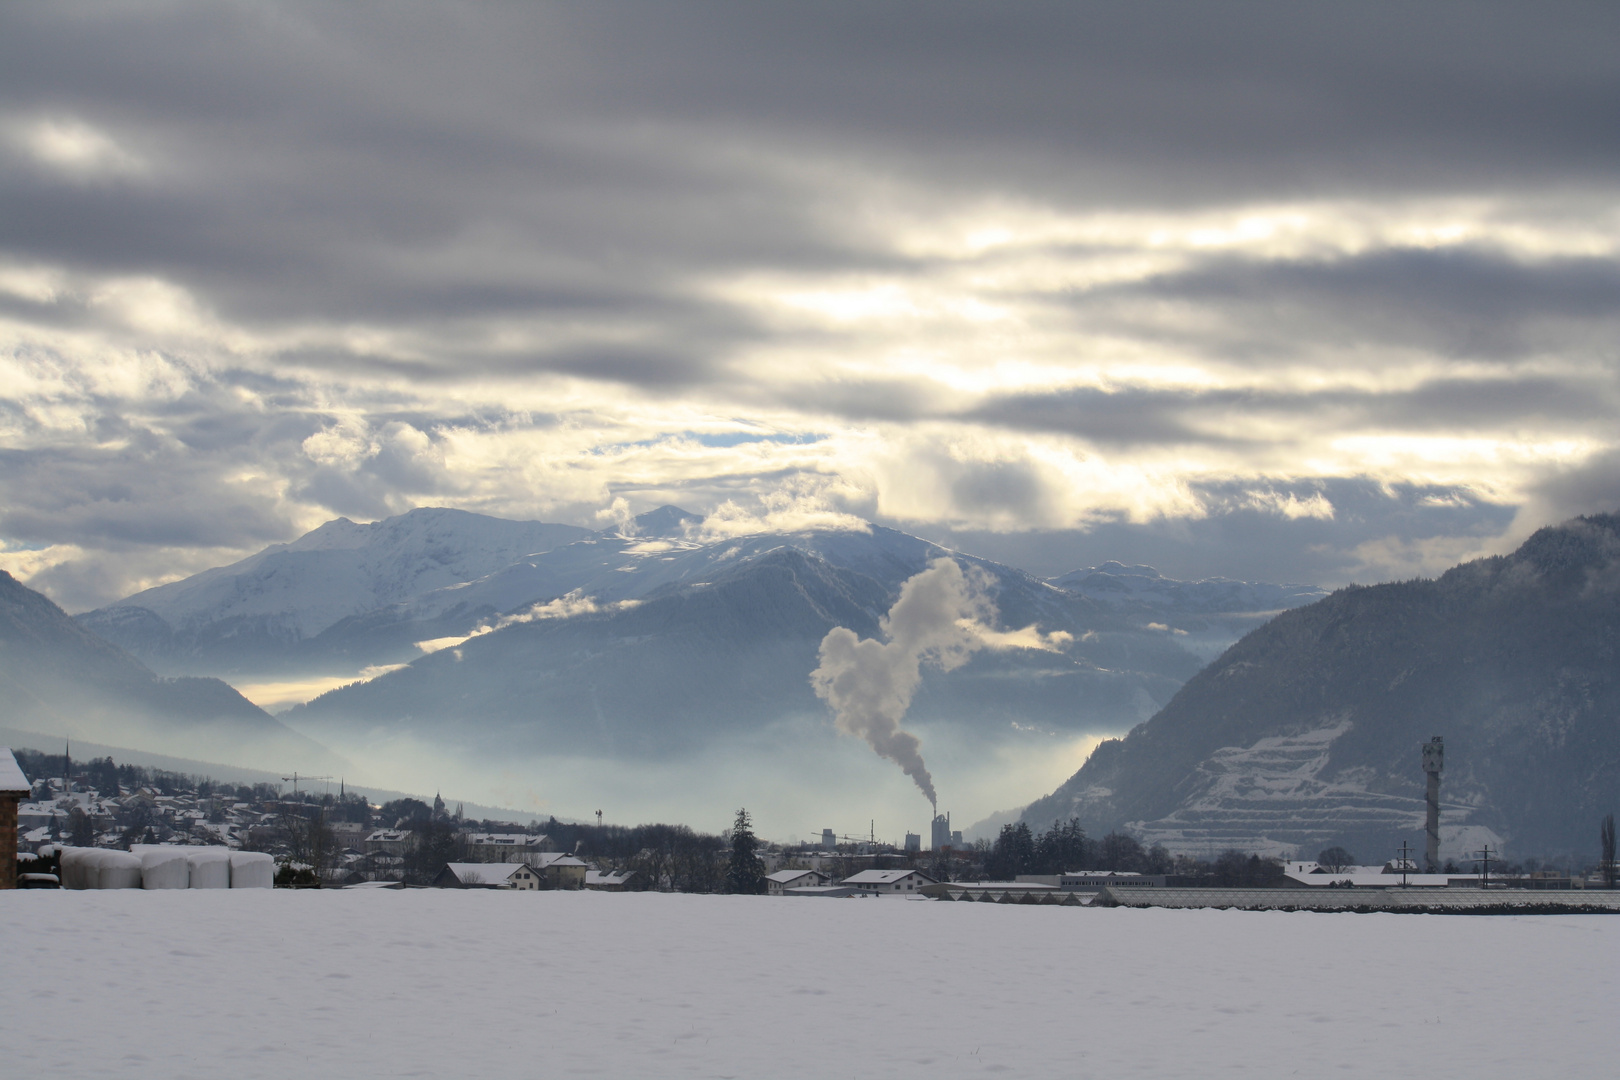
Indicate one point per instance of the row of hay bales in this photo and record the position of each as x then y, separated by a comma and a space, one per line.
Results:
156, 866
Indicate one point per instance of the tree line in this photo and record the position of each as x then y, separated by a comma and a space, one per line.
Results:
1065, 847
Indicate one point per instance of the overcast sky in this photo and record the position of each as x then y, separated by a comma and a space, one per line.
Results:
1310, 292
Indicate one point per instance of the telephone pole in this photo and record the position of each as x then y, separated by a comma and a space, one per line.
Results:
1406, 860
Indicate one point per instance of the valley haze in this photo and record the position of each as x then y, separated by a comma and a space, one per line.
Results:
812, 407
658, 669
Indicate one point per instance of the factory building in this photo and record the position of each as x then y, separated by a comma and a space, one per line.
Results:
942, 837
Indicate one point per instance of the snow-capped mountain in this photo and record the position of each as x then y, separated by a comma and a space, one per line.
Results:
685, 641
260, 613
1306, 732
663, 643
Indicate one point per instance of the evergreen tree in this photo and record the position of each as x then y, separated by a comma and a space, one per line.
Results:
746, 874
1062, 848
1013, 854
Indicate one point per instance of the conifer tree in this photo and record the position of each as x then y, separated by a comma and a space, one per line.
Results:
746, 874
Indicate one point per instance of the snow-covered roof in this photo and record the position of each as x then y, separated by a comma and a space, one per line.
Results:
880, 877
1100, 873
485, 873
524, 840
784, 876
543, 859
12, 780
1368, 877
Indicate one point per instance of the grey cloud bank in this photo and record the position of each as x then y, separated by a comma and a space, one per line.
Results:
1326, 288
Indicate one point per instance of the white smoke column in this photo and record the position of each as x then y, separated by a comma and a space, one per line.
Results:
869, 683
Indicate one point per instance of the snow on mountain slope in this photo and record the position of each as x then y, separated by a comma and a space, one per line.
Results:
291, 592
1121, 586
1273, 798
612, 567
1510, 659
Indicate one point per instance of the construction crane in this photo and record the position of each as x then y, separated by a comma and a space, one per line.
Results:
294, 778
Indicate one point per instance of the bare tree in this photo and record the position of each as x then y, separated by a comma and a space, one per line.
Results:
1335, 859
309, 838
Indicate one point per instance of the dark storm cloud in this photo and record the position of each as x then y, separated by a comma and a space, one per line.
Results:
1263, 96
138, 494
311, 162
1590, 487
1216, 417
1251, 541
507, 192
1462, 302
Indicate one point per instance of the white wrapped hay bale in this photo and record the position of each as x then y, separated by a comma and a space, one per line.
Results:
164, 868
117, 870
210, 868
78, 868
252, 870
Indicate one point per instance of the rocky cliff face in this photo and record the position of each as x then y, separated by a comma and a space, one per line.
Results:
1306, 731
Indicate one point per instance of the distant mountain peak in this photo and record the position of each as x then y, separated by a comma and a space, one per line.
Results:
1112, 567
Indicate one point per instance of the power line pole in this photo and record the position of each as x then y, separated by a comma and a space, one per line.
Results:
1484, 860
1406, 860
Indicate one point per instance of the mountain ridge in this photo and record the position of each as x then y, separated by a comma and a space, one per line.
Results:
60, 678
1306, 731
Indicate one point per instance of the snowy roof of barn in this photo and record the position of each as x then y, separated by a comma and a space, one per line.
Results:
790, 875
485, 873
881, 877
12, 780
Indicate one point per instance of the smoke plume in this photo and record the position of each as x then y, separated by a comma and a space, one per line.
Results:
940, 618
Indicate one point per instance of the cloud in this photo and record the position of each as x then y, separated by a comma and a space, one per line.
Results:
74, 148
1055, 280
568, 606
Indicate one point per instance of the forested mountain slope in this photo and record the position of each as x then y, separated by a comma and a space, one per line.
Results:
1306, 731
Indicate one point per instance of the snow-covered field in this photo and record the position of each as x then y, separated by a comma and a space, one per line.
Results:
485, 984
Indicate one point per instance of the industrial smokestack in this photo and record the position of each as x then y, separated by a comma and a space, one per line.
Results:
940, 836
1434, 759
943, 616
869, 682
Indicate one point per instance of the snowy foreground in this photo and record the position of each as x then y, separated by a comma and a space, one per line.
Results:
487, 984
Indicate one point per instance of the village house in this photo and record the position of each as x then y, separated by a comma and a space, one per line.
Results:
608, 880
548, 870
887, 882
506, 847
485, 875
391, 841
558, 871
14, 788
778, 883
